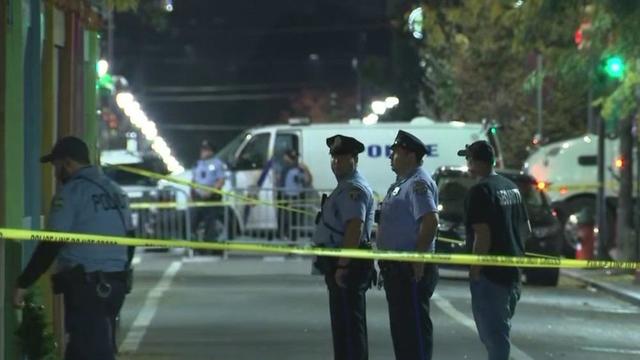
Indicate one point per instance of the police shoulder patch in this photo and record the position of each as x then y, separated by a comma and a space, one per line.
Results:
355, 193
420, 187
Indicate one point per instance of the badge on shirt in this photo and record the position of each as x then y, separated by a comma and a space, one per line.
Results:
395, 191
355, 193
420, 187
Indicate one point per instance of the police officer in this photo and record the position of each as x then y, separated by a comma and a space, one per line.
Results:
345, 222
497, 224
408, 222
209, 171
294, 179
91, 277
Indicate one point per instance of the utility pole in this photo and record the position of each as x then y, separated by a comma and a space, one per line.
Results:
110, 31
624, 219
601, 205
539, 82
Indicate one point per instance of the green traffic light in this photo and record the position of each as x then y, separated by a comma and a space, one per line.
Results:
494, 130
614, 67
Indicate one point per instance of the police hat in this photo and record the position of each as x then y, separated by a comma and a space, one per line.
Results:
410, 142
479, 150
206, 144
68, 147
341, 145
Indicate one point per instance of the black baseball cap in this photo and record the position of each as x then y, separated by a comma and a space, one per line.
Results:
480, 150
68, 147
342, 145
410, 142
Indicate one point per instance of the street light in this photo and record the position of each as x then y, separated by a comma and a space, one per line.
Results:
102, 67
370, 119
379, 107
391, 102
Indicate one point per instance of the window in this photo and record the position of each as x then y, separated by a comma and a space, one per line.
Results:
285, 142
588, 160
254, 154
227, 153
533, 198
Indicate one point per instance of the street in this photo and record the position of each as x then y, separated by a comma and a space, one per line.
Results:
254, 307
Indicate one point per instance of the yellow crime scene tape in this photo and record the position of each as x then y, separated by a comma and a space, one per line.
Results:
173, 204
246, 199
448, 259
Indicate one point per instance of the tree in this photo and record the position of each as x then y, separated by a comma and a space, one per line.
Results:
610, 37
479, 69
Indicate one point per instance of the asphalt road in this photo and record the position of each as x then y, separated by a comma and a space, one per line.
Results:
256, 308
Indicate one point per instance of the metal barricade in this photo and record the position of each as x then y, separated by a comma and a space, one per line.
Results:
270, 215
258, 215
162, 214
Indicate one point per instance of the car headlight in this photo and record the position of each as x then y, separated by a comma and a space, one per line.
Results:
544, 231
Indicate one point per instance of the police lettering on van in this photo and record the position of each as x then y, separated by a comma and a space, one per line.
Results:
375, 151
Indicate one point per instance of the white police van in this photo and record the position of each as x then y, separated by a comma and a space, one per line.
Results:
253, 157
568, 171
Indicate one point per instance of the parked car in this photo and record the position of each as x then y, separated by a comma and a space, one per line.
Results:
546, 237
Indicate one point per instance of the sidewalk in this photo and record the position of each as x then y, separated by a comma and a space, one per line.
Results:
621, 286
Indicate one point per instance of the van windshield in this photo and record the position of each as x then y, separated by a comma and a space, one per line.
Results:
228, 152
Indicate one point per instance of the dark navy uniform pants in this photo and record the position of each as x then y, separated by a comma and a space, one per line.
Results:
408, 301
90, 318
348, 310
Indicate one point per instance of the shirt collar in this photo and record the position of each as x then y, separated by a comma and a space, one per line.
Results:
348, 177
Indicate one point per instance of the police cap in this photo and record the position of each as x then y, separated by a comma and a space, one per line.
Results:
480, 150
411, 143
342, 145
206, 144
68, 147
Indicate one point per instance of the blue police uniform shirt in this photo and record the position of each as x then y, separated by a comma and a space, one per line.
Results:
207, 172
351, 199
81, 206
406, 202
293, 181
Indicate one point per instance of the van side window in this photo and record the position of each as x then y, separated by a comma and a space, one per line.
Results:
254, 154
588, 160
285, 142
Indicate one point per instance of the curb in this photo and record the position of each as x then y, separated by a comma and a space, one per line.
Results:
622, 294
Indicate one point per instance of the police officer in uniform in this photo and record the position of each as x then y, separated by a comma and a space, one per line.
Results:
345, 222
408, 222
496, 223
91, 277
209, 171
295, 178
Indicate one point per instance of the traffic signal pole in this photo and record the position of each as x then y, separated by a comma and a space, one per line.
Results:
601, 206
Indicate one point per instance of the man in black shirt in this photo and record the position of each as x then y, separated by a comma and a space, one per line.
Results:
496, 224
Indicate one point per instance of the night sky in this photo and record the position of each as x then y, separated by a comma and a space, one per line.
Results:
231, 65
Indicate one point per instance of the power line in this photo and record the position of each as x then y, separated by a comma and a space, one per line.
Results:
217, 98
222, 88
